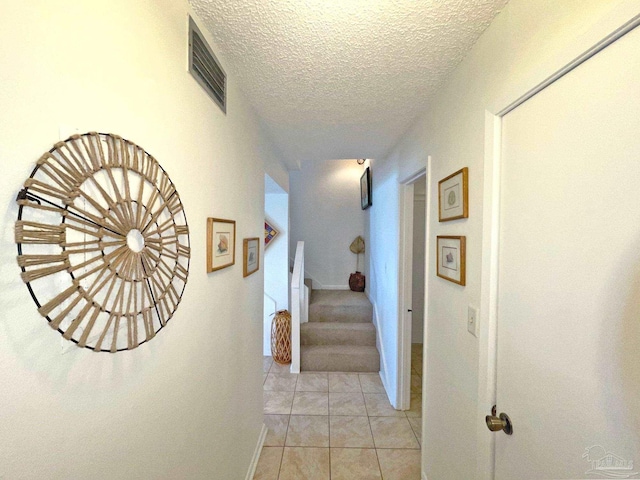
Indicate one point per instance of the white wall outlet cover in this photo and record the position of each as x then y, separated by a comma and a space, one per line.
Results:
473, 317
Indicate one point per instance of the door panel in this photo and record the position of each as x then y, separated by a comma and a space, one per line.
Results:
569, 277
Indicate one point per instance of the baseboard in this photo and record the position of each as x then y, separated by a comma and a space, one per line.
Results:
383, 360
317, 285
256, 454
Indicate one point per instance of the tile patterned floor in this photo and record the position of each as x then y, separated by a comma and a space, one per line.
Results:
338, 426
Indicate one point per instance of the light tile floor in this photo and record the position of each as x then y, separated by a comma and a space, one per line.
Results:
338, 426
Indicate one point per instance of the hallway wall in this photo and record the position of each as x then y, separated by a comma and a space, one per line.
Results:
326, 215
383, 260
526, 42
188, 404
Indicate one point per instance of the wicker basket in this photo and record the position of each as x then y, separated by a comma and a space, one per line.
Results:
281, 337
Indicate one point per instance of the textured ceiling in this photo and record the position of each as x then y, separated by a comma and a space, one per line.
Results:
342, 78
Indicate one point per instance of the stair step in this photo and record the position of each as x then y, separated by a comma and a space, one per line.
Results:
334, 333
339, 358
340, 306
344, 313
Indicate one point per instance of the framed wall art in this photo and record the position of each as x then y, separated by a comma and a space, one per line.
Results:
221, 243
270, 232
451, 258
365, 189
453, 196
250, 256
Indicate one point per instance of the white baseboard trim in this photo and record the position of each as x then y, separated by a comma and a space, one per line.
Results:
330, 287
256, 454
383, 359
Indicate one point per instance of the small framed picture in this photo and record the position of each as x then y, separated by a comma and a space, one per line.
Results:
365, 189
453, 196
221, 243
250, 256
270, 232
451, 257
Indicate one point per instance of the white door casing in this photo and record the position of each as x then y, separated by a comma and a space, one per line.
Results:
406, 299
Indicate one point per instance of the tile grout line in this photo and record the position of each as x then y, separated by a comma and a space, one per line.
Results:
329, 439
288, 418
281, 460
414, 432
374, 445
419, 440
350, 448
284, 443
371, 431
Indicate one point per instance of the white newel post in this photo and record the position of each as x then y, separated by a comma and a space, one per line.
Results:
298, 306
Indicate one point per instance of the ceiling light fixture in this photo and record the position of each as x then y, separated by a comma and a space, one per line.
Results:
361, 161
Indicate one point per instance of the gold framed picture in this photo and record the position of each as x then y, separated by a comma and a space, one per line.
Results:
453, 196
451, 258
221, 243
250, 256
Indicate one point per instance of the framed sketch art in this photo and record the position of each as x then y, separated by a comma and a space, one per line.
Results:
221, 243
250, 256
365, 189
453, 196
451, 257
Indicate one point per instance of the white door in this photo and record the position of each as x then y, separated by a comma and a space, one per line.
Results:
569, 276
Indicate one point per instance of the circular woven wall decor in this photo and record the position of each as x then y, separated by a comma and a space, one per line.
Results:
103, 242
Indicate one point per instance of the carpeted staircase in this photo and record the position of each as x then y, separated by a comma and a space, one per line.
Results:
340, 335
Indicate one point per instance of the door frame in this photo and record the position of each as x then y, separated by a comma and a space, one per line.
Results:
405, 279
620, 21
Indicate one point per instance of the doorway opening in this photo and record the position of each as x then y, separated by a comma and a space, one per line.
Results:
276, 257
418, 283
412, 289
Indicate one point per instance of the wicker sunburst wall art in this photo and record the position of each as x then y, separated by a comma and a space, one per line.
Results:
103, 242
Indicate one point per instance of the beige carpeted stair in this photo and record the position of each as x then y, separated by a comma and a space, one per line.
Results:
340, 335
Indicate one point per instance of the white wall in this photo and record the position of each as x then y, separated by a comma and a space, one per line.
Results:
383, 234
276, 262
326, 215
419, 231
526, 42
189, 403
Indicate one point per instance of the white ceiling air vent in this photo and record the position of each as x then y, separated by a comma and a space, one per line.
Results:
205, 68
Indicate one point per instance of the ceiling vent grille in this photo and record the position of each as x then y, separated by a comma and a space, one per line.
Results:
205, 68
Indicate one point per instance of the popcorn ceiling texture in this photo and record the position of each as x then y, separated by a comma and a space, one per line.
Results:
342, 78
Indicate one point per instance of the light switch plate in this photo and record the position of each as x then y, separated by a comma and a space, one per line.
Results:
473, 317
